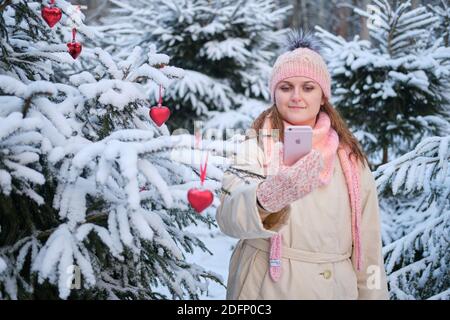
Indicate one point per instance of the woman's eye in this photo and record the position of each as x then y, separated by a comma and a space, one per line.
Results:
309, 88
285, 88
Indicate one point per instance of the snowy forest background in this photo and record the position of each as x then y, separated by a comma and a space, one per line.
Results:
93, 194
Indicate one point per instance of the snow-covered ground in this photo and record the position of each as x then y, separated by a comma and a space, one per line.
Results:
221, 246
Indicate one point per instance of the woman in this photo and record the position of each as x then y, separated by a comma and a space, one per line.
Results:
310, 230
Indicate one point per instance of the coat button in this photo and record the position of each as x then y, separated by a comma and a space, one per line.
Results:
326, 274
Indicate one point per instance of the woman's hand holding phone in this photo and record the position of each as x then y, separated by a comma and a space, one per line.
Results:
287, 184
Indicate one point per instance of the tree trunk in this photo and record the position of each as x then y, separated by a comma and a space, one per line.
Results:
385, 154
96, 9
304, 15
322, 15
343, 16
295, 23
364, 31
415, 4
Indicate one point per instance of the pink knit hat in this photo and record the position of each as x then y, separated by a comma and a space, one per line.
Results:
303, 60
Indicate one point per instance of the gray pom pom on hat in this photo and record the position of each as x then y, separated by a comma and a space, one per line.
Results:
297, 38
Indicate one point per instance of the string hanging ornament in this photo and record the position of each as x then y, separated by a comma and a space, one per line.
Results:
159, 113
74, 46
200, 198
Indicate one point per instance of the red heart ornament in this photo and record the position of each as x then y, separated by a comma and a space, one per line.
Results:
74, 49
200, 199
159, 115
51, 15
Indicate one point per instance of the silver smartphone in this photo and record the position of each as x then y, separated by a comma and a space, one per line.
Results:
297, 143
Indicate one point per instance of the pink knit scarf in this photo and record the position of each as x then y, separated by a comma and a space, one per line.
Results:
325, 140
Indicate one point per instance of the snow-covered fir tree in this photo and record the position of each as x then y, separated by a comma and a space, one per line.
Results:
92, 194
238, 120
392, 89
225, 47
30, 49
415, 203
443, 13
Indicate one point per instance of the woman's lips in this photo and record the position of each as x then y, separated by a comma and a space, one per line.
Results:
297, 107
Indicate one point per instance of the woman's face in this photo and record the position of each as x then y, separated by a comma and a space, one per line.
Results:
298, 100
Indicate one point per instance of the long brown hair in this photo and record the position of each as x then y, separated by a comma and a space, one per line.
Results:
337, 123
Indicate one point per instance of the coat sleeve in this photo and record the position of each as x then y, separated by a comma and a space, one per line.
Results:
372, 282
239, 215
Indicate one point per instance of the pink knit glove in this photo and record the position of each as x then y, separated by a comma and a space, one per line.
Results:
289, 183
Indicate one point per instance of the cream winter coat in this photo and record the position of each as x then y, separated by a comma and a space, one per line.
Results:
317, 260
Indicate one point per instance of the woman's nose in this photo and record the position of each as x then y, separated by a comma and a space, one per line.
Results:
296, 95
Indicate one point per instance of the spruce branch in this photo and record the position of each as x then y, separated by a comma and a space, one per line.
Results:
4, 4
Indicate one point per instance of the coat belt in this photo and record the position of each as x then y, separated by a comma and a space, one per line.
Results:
297, 254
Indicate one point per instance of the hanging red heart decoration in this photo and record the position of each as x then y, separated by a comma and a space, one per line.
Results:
51, 14
200, 199
159, 113
74, 47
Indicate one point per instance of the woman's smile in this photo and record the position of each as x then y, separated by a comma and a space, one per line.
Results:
297, 107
